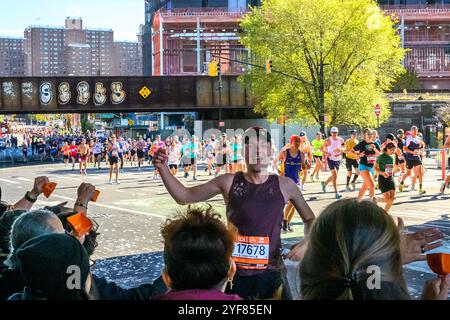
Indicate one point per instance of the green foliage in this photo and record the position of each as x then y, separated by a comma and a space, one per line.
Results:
354, 43
408, 80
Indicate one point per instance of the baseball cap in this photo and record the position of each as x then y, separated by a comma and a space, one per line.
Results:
302, 134
334, 129
407, 133
353, 132
414, 128
400, 131
293, 138
390, 136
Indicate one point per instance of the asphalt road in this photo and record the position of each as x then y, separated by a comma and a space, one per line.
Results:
130, 216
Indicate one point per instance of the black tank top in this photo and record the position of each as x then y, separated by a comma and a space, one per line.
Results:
256, 210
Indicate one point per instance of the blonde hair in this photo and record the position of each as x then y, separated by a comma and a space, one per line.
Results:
346, 239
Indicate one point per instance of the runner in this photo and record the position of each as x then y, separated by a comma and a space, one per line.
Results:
24, 151
385, 169
351, 160
332, 148
189, 153
153, 149
412, 154
291, 159
317, 145
140, 150
307, 157
121, 153
133, 152
221, 151
73, 153
83, 154
65, 150
97, 152
113, 152
209, 156
237, 162
367, 151
254, 202
446, 182
174, 158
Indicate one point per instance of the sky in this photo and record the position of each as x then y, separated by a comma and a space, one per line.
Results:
123, 16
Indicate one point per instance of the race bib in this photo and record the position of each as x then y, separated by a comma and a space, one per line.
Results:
371, 159
417, 152
251, 253
114, 153
389, 169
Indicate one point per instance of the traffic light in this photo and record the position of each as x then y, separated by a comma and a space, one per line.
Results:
219, 70
268, 66
213, 68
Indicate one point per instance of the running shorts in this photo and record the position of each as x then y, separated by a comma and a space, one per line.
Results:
362, 168
412, 163
351, 163
334, 164
386, 184
113, 160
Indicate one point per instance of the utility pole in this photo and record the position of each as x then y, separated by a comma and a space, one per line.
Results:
219, 71
322, 99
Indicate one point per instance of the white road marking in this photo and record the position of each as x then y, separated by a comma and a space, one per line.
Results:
24, 179
9, 181
114, 207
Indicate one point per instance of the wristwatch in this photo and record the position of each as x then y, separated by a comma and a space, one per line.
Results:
29, 198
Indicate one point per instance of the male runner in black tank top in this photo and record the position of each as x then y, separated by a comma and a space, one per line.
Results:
255, 201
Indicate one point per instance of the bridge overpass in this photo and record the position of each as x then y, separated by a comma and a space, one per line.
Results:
121, 94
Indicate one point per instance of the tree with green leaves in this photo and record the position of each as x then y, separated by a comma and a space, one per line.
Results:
329, 57
408, 81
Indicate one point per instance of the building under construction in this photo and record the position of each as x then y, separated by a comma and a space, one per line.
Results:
182, 37
425, 30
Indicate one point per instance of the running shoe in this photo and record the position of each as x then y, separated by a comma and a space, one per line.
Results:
194, 178
413, 188
110, 182
324, 186
284, 226
117, 182
303, 187
317, 177
348, 189
353, 186
312, 178
400, 187
289, 228
338, 196
186, 174
442, 190
422, 191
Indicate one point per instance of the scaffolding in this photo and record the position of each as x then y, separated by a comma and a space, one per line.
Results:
186, 40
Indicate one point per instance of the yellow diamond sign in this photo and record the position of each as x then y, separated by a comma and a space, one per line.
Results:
145, 92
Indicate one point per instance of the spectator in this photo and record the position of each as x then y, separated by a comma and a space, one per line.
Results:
350, 243
197, 255
45, 263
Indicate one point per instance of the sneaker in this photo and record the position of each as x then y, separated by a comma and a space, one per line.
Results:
442, 190
194, 178
338, 195
303, 187
324, 186
186, 174
289, 228
400, 187
413, 188
422, 191
348, 189
317, 177
374, 200
110, 182
216, 174
284, 226
377, 186
353, 186
312, 178
117, 182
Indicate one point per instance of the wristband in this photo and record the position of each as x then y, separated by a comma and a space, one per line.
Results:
79, 204
29, 198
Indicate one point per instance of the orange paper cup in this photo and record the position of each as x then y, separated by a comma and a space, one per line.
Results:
80, 224
48, 189
439, 263
95, 196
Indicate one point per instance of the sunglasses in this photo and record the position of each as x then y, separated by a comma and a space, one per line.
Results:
369, 134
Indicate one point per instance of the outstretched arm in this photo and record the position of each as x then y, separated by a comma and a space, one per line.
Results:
181, 194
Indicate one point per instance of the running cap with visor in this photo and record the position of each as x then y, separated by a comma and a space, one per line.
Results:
302, 134
334, 130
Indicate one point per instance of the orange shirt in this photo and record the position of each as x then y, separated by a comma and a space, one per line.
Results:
65, 150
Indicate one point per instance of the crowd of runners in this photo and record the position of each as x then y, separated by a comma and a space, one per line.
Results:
206, 259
